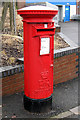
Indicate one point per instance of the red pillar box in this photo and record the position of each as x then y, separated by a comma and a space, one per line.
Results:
38, 57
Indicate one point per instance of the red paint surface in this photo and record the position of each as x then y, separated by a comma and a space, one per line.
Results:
38, 72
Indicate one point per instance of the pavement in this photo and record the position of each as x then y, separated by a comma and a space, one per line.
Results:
71, 30
65, 98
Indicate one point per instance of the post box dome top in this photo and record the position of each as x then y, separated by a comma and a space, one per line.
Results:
37, 10
38, 7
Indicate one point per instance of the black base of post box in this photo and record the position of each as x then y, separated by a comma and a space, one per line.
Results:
39, 105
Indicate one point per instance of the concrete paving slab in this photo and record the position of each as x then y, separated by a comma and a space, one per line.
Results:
73, 117
76, 110
63, 115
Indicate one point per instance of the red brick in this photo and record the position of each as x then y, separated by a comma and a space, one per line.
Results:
13, 81
18, 75
12, 91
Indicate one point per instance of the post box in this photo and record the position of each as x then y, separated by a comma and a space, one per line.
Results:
39, 33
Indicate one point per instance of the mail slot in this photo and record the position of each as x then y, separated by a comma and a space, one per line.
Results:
39, 33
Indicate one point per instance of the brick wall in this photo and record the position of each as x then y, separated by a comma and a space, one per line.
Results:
13, 84
65, 68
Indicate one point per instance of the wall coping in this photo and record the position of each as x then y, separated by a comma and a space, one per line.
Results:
11, 70
68, 50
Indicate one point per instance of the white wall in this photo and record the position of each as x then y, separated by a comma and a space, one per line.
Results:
63, 11
72, 10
